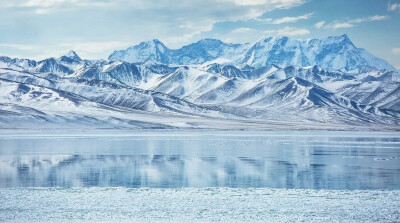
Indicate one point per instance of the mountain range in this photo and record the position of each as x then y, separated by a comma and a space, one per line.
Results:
273, 83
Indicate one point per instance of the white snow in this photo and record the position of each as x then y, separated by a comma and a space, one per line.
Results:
197, 205
115, 89
332, 53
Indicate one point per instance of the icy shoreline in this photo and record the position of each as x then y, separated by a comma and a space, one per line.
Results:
118, 204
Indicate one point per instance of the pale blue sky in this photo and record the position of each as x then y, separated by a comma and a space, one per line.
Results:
43, 28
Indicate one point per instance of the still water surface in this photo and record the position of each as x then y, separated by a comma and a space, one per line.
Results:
307, 160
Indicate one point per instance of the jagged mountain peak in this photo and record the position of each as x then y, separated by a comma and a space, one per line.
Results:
283, 92
209, 42
154, 46
156, 41
150, 62
153, 49
298, 81
229, 71
344, 37
273, 38
343, 40
331, 53
52, 65
151, 43
72, 54
70, 57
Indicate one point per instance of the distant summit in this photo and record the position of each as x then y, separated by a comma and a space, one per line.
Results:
331, 53
71, 56
153, 49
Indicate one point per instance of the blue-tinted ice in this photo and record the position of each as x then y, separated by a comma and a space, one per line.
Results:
309, 160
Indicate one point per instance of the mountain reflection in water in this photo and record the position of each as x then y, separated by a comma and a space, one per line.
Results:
194, 161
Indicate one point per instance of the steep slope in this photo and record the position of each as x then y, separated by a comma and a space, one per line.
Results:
112, 94
226, 70
313, 74
382, 95
298, 99
293, 92
33, 107
70, 57
117, 72
332, 53
17, 64
207, 50
153, 49
52, 65
188, 83
275, 80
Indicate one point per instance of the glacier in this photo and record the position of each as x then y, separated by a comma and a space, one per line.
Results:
274, 83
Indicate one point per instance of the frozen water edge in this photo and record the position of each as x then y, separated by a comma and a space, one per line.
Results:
118, 204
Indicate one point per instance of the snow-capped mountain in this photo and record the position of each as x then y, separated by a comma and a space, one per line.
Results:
70, 57
153, 49
332, 53
273, 83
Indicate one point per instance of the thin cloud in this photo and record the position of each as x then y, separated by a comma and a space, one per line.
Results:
94, 47
287, 19
350, 23
249, 2
241, 30
340, 25
55, 3
319, 25
44, 3
42, 11
129, 21
378, 18
288, 31
55, 6
396, 50
292, 19
371, 18
19, 46
87, 49
394, 7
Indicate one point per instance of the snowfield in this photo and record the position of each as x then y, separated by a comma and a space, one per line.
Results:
309, 84
197, 205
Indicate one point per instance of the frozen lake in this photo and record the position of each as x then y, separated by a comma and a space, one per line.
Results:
165, 176
310, 160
